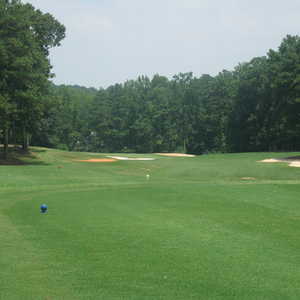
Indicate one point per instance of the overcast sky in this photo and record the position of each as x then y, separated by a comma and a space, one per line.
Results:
110, 41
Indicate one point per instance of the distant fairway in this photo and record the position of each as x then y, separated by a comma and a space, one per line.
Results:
195, 230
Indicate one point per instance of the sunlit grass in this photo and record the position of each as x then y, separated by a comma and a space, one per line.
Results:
195, 230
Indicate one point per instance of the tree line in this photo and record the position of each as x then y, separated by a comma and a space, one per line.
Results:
255, 107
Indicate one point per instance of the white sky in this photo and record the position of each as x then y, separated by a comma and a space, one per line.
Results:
110, 41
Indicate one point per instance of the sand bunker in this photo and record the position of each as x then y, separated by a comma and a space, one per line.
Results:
176, 154
272, 160
130, 158
98, 160
248, 178
292, 161
295, 164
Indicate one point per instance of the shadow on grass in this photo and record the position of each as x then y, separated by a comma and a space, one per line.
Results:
18, 157
293, 158
38, 150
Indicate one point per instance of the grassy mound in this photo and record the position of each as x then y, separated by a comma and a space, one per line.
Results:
209, 227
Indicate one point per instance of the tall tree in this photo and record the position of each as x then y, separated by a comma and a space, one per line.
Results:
26, 35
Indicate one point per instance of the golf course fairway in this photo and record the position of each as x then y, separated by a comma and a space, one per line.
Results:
217, 226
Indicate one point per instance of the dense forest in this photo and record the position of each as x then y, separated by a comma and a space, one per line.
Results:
255, 107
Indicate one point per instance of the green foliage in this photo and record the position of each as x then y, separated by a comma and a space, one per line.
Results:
266, 112
66, 114
253, 108
26, 35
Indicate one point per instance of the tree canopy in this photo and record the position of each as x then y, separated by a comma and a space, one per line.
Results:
26, 35
255, 107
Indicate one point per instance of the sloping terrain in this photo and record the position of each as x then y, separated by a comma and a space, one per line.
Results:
196, 229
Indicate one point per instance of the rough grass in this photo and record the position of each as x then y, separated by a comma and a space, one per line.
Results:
195, 230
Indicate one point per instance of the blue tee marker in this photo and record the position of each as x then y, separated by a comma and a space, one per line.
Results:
44, 208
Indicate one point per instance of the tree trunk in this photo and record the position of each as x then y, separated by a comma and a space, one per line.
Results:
5, 144
13, 136
184, 145
25, 142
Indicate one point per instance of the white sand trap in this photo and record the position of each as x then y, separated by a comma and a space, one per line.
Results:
292, 162
272, 160
130, 158
176, 154
248, 178
295, 164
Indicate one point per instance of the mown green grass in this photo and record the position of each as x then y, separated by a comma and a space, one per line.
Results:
195, 230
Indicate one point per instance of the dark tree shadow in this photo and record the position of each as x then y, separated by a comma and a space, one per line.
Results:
18, 157
293, 158
38, 150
